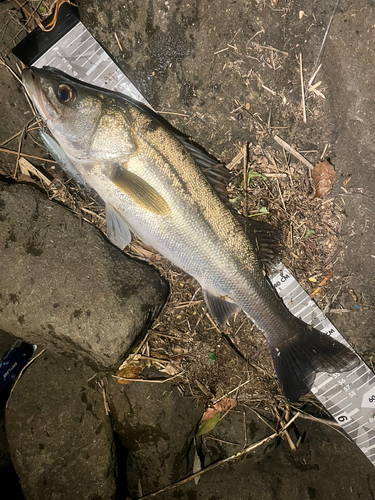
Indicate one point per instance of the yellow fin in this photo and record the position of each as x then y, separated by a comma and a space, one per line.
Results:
139, 191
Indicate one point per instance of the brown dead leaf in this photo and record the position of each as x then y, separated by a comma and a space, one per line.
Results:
32, 17
322, 283
323, 176
130, 371
170, 370
27, 168
27, 179
221, 406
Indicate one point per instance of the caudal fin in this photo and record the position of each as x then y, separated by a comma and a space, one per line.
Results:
297, 364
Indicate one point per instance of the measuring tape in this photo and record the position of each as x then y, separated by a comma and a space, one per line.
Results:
349, 396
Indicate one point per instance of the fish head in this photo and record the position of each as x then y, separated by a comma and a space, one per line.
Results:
70, 109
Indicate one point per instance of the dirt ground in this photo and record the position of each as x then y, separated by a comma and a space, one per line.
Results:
229, 75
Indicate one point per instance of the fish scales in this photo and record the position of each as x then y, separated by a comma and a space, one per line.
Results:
164, 162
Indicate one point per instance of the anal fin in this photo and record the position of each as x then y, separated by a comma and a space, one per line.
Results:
118, 231
219, 308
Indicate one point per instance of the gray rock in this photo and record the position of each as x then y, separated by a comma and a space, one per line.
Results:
231, 437
6, 342
64, 286
156, 424
60, 438
326, 466
10, 486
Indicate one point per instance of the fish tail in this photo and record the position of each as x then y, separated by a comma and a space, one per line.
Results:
297, 362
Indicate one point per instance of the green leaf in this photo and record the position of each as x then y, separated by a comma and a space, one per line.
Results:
262, 211
212, 358
253, 174
208, 425
309, 232
236, 202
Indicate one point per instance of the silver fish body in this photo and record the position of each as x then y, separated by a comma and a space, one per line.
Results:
153, 186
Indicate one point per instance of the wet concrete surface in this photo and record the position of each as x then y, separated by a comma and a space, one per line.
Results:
324, 468
349, 74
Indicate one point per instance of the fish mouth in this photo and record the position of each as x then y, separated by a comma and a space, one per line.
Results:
32, 82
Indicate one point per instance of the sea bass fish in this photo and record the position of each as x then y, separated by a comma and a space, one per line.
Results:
159, 186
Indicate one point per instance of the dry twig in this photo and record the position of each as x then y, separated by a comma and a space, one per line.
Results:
302, 89
293, 152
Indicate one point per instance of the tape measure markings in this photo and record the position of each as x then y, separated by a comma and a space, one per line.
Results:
356, 410
343, 410
340, 393
372, 378
79, 54
74, 40
81, 45
94, 66
103, 71
316, 388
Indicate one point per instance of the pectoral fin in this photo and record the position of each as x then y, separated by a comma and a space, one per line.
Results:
139, 191
220, 308
118, 231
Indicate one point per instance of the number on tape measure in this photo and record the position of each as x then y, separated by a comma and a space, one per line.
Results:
368, 400
343, 418
281, 279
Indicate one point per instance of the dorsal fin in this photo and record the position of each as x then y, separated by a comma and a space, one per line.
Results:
216, 173
266, 240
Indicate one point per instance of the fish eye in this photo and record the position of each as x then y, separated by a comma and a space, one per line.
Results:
65, 93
